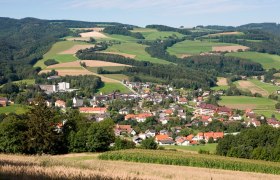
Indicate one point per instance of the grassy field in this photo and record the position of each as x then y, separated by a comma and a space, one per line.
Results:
111, 87
217, 88
193, 47
143, 30
16, 108
107, 68
195, 160
88, 166
267, 60
271, 89
207, 147
135, 49
58, 47
118, 77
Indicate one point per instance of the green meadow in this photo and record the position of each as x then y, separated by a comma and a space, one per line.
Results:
193, 47
268, 61
111, 87
107, 68
15, 108
58, 47
207, 147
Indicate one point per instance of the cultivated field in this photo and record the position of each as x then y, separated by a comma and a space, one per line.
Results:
94, 34
255, 85
225, 34
57, 48
249, 86
87, 166
122, 54
194, 160
267, 60
76, 48
194, 47
229, 48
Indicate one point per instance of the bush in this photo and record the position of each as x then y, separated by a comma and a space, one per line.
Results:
50, 62
149, 144
123, 144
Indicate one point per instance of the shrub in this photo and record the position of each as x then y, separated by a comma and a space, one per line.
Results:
149, 143
123, 144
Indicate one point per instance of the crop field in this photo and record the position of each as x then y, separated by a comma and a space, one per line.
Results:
255, 85
88, 166
135, 49
15, 108
245, 102
226, 34
194, 47
229, 48
57, 48
267, 60
194, 160
111, 87
76, 48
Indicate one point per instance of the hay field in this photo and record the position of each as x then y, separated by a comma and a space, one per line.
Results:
93, 34
229, 48
87, 166
268, 61
131, 56
226, 34
76, 48
249, 86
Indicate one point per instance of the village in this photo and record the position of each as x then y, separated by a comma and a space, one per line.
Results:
170, 116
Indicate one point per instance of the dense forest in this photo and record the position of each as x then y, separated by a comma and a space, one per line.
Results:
167, 28
261, 143
123, 30
22, 43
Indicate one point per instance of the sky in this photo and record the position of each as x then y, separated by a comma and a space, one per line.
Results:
188, 13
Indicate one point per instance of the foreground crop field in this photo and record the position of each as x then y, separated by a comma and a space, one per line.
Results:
267, 60
195, 160
87, 166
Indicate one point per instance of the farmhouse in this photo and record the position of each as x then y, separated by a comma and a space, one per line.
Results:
93, 110
273, 122
124, 129
60, 104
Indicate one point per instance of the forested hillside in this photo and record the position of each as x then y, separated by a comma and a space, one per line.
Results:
22, 43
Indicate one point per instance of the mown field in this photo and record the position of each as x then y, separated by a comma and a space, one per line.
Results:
111, 87
267, 60
134, 48
57, 48
194, 160
151, 35
193, 47
262, 105
88, 166
118, 77
15, 108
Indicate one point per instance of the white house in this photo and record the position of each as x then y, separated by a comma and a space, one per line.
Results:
63, 86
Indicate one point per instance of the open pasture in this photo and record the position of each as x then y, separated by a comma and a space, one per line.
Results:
250, 86
194, 47
110, 87
268, 61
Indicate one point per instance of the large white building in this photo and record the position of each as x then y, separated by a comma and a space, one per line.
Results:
63, 86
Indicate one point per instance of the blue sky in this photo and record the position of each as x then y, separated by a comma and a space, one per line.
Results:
188, 13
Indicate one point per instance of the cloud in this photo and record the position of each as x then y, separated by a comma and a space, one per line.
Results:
171, 6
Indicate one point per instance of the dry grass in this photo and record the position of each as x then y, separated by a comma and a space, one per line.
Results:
247, 85
87, 166
93, 34
185, 55
76, 48
229, 48
225, 33
222, 81
122, 54
89, 63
